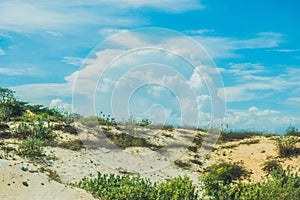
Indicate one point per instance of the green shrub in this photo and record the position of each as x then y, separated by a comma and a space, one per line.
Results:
182, 164
34, 130
3, 126
282, 185
136, 188
292, 131
65, 128
145, 122
271, 165
74, 145
31, 147
218, 175
168, 127
286, 145
237, 135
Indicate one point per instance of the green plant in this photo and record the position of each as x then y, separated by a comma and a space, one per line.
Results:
168, 127
65, 128
286, 145
135, 188
237, 135
292, 131
181, 164
145, 122
106, 120
271, 165
281, 185
218, 175
36, 130
252, 141
31, 147
4, 126
74, 145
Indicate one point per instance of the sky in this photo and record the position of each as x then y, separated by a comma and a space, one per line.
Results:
205, 60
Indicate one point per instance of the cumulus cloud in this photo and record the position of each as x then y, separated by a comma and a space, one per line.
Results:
256, 119
60, 105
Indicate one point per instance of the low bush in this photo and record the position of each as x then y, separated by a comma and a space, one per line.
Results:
286, 145
74, 145
4, 126
31, 148
168, 127
136, 188
218, 175
292, 131
182, 164
234, 136
34, 130
65, 128
271, 165
281, 185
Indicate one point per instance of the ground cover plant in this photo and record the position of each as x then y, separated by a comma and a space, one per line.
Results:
110, 186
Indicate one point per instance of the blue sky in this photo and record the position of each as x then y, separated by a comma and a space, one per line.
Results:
254, 45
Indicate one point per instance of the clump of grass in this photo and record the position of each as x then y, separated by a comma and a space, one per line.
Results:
292, 131
197, 162
271, 165
182, 164
74, 145
238, 135
4, 126
168, 127
219, 175
65, 128
230, 146
248, 142
31, 148
286, 145
125, 140
34, 130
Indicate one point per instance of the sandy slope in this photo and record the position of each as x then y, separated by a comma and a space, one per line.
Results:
29, 183
20, 180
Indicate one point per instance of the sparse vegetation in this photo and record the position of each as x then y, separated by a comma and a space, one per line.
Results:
31, 148
74, 145
251, 141
281, 185
286, 145
168, 127
292, 131
271, 165
237, 135
182, 164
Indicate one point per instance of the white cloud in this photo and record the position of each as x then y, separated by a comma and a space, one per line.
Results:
294, 99
200, 31
18, 72
22, 16
267, 120
284, 50
2, 52
73, 60
224, 47
60, 105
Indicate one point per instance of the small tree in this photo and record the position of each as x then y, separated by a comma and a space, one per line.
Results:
6, 98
